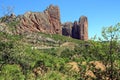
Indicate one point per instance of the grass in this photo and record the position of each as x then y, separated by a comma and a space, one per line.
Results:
11, 72
18, 60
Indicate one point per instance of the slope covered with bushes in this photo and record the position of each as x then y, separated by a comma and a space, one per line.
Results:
39, 56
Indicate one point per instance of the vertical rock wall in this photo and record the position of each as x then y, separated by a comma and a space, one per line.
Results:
79, 29
46, 22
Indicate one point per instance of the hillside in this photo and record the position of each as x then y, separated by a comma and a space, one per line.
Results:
50, 57
30, 52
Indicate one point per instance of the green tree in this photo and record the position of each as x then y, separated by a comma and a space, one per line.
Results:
111, 36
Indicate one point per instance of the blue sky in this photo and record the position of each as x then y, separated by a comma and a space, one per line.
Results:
100, 13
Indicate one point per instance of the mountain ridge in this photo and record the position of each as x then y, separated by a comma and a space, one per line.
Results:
48, 22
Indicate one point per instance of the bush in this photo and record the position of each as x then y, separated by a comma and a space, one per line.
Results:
11, 72
67, 53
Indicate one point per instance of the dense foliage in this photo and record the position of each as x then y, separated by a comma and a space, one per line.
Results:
41, 56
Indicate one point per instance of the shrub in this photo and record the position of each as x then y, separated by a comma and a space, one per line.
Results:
11, 72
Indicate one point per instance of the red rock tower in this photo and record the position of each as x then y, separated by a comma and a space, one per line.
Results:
53, 13
83, 26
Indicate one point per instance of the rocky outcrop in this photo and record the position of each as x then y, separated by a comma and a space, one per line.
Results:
83, 24
76, 30
79, 29
8, 18
46, 22
67, 28
49, 22
53, 14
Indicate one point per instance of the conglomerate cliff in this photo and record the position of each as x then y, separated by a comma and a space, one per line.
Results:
48, 22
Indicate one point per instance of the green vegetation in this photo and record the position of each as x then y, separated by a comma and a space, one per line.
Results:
40, 56
11, 72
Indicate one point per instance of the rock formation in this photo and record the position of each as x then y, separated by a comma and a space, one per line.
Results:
53, 14
47, 21
79, 29
83, 24
76, 30
67, 28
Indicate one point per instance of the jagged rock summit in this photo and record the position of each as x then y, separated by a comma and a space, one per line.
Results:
48, 22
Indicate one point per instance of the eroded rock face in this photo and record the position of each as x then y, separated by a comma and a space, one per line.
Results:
46, 22
79, 29
53, 14
49, 22
75, 30
83, 24
67, 28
